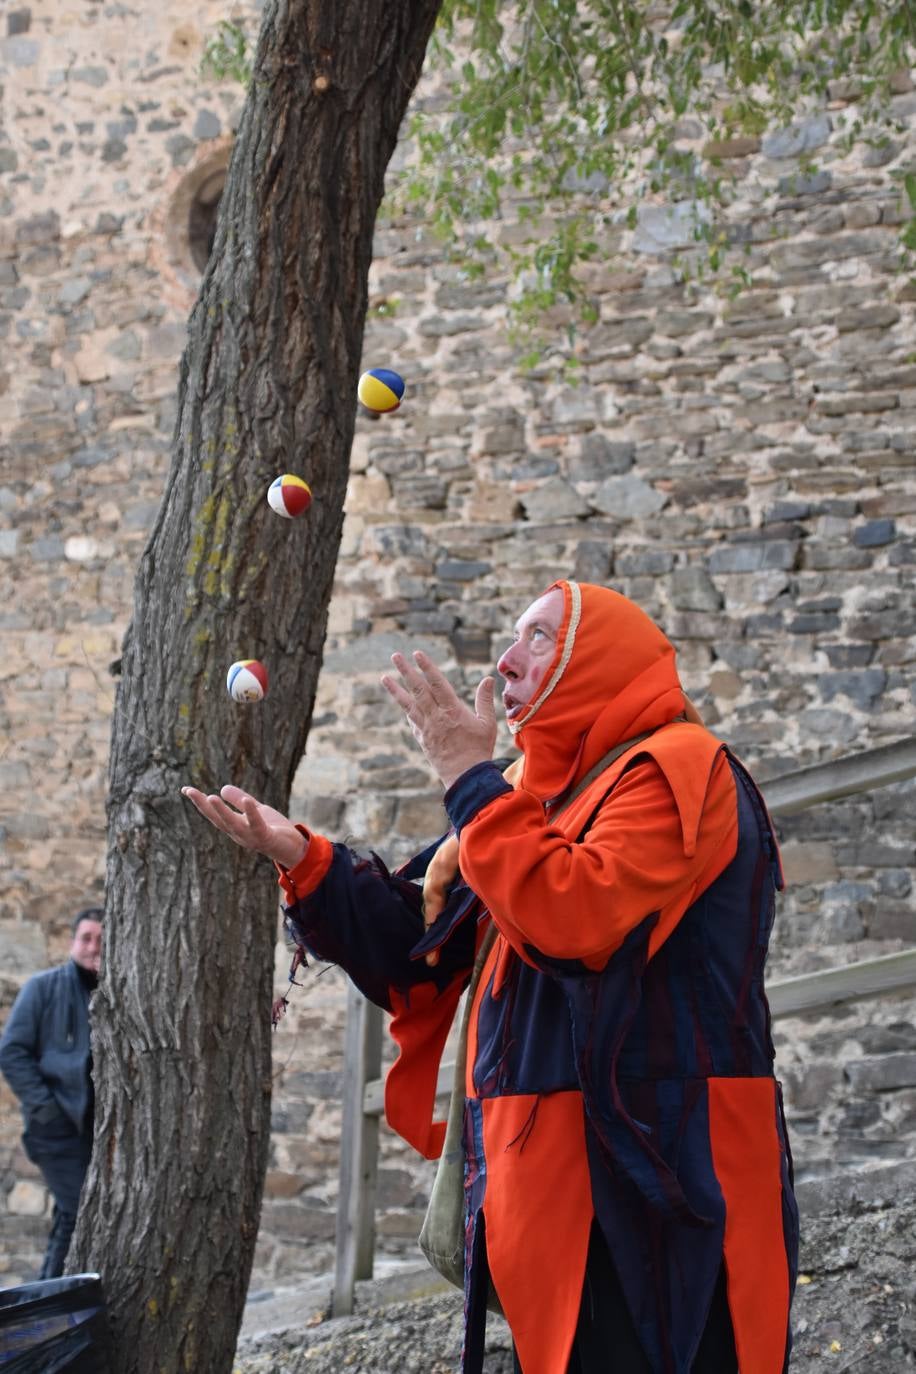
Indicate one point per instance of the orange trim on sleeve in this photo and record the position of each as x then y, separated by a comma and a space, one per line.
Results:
746, 1159
302, 879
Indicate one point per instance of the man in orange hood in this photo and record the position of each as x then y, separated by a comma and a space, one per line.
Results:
628, 1178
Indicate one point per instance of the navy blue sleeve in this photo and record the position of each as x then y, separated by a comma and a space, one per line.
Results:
370, 921
472, 791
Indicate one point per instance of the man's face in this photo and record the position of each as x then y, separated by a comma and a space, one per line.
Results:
528, 657
86, 949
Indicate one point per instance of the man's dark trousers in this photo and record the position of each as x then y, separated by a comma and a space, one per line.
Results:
62, 1153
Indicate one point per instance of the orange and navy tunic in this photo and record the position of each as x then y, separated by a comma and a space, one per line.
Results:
620, 1063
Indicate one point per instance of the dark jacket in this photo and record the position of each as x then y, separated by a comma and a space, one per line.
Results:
44, 1052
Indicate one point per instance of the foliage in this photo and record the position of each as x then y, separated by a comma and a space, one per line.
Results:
572, 115
560, 121
227, 56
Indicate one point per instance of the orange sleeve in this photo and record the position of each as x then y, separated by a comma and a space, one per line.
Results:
302, 879
580, 901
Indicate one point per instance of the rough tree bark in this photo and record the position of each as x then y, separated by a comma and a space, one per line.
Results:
181, 1034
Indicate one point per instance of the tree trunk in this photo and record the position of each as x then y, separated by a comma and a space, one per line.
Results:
181, 1030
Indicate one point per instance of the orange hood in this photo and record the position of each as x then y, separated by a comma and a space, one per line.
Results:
613, 676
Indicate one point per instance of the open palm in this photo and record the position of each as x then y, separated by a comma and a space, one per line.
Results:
252, 824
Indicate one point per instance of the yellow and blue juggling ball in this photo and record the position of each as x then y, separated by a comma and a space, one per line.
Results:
380, 390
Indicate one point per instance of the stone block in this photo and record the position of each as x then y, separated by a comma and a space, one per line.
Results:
659, 228
628, 498
802, 136
845, 925
289, 1116
422, 491
809, 1088
48, 549
825, 723
860, 687
19, 51
648, 562
896, 882
722, 148
304, 1220
692, 589
593, 561
90, 76
461, 570
577, 405
859, 403
809, 861
446, 326
884, 625
39, 229
740, 558
114, 150
507, 437
676, 323
874, 533
421, 817
811, 184
471, 646
824, 557
207, 125
553, 500
600, 457
892, 920
91, 364
371, 653
278, 1183
879, 316
882, 1073
396, 541
397, 1188
27, 1199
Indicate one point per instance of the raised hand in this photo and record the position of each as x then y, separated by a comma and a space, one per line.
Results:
251, 823
452, 736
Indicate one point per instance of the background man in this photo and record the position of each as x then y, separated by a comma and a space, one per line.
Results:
45, 1057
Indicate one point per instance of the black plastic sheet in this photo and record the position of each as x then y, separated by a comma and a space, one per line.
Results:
55, 1324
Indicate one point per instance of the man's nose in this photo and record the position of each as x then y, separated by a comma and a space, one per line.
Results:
506, 665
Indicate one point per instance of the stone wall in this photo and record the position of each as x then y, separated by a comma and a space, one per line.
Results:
742, 468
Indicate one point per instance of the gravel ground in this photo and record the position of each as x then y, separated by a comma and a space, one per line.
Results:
854, 1310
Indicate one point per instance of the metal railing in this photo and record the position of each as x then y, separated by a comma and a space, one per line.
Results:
363, 1089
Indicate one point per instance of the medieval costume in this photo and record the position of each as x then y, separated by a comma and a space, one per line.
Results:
622, 1115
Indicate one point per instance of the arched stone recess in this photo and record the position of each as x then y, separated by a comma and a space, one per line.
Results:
184, 222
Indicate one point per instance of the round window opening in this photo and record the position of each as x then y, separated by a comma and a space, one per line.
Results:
184, 226
202, 218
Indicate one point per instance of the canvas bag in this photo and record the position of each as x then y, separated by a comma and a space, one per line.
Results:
443, 1231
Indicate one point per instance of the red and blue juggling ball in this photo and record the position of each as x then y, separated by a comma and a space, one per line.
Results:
289, 496
247, 680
